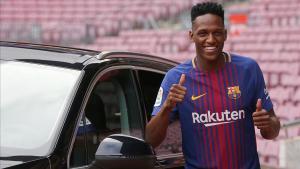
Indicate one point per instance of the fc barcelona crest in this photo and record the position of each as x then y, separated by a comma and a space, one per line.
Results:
234, 92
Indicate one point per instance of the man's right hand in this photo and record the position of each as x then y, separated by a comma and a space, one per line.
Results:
176, 94
157, 127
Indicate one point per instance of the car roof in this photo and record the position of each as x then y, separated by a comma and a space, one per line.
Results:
64, 56
45, 54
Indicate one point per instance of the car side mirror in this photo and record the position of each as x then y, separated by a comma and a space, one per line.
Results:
120, 151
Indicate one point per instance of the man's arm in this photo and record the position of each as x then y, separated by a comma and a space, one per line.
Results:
157, 127
267, 122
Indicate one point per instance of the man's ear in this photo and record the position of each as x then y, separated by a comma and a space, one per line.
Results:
225, 34
191, 35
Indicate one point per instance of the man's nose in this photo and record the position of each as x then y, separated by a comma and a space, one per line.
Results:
210, 38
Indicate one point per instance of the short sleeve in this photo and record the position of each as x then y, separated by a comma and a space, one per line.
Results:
162, 94
261, 89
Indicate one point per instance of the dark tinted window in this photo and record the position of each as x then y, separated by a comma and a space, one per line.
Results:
150, 83
78, 156
113, 107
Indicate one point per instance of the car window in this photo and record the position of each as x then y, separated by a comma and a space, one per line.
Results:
33, 104
112, 107
150, 83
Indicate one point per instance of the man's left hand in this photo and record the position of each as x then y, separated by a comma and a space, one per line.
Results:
267, 122
261, 118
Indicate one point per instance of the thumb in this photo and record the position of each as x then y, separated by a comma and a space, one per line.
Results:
182, 79
258, 105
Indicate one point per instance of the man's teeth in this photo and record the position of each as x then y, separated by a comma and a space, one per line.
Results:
210, 48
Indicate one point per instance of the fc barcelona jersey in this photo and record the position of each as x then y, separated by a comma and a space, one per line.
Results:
216, 113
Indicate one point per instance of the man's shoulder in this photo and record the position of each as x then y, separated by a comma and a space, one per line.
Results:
174, 74
181, 68
244, 61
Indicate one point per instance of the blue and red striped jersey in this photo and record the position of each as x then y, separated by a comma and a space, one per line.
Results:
216, 114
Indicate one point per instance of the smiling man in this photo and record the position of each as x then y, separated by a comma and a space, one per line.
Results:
218, 97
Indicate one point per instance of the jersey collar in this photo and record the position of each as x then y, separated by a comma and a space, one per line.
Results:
226, 55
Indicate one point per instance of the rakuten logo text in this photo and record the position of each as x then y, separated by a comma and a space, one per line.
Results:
212, 119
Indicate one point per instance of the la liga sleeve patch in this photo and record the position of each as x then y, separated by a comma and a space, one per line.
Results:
159, 97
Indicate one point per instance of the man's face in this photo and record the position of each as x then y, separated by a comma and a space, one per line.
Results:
208, 34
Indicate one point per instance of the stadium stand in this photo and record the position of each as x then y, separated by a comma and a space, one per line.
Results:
270, 34
53, 20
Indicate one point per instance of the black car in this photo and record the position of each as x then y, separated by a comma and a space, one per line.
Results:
58, 104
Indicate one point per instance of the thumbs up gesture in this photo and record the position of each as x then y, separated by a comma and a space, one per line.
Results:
176, 93
261, 118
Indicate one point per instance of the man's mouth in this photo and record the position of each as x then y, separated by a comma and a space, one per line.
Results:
210, 48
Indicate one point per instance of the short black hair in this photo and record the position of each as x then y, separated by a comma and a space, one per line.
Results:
205, 8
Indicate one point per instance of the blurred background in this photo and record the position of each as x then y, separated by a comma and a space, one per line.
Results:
266, 30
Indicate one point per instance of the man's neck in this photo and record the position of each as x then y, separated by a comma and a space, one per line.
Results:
209, 65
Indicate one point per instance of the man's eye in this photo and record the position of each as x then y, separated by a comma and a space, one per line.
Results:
202, 34
218, 33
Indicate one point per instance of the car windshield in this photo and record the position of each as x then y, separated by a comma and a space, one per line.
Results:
33, 101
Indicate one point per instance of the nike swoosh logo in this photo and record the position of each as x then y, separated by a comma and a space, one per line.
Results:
197, 97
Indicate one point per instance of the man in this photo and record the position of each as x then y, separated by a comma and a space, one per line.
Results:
218, 97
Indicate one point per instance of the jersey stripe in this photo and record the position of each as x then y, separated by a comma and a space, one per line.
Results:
235, 107
203, 102
241, 125
212, 103
196, 130
238, 125
222, 141
206, 133
223, 101
230, 128
237, 130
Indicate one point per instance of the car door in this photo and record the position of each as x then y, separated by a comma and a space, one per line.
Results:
112, 106
120, 100
149, 73
169, 153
